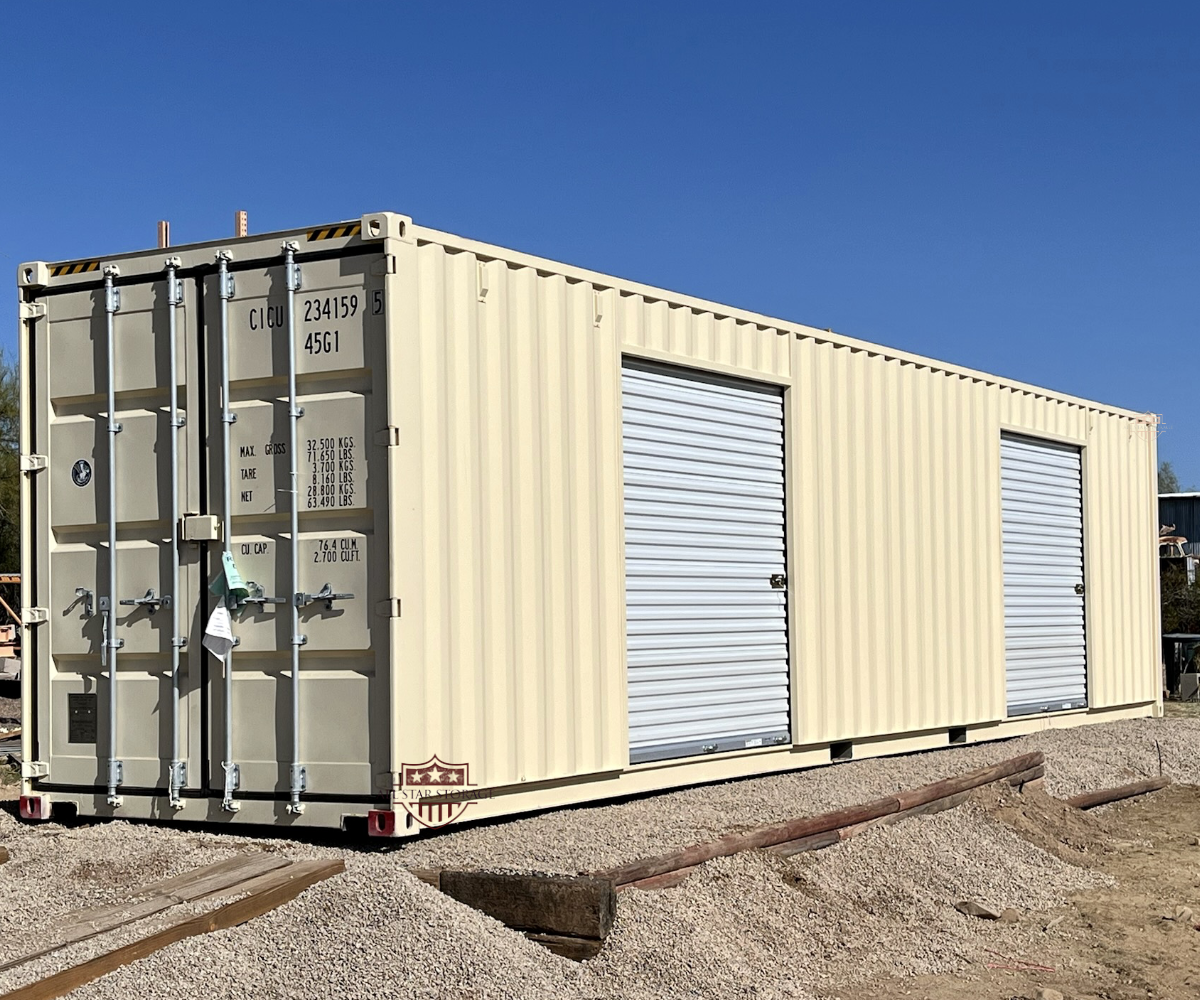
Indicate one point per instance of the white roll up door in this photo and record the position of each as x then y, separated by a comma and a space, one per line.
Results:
1044, 637
704, 563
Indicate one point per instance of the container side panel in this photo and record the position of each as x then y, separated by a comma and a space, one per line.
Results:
897, 576
1121, 563
657, 329
513, 604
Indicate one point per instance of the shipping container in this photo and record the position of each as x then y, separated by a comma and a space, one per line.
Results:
369, 522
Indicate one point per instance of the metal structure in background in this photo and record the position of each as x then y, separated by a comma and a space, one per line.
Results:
1181, 512
225, 287
1045, 643
298, 779
178, 771
705, 564
111, 642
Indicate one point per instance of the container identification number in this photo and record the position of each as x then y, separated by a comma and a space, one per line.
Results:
330, 307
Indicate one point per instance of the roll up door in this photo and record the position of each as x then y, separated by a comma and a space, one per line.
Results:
1044, 638
704, 563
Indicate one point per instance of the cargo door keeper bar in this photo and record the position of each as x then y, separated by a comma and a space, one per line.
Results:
178, 773
110, 643
298, 775
225, 288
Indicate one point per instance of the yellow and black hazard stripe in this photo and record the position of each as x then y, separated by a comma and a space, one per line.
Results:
334, 232
83, 266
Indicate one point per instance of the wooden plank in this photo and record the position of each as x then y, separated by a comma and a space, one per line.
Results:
807, 826
289, 885
965, 782
821, 841
578, 949
551, 904
82, 925
666, 881
431, 876
1018, 780
267, 880
1103, 797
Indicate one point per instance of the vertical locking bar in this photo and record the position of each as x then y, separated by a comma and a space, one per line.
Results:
178, 774
112, 304
299, 777
225, 280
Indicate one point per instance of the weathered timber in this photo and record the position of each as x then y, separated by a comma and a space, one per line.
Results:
84, 924
577, 949
808, 826
1018, 780
824, 840
548, 904
1103, 797
666, 881
433, 876
266, 881
289, 883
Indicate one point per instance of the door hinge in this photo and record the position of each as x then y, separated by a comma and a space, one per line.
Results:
35, 769
34, 616
33, 310
33, 463
385, 265
778, 581
389, 608
200, 528
388, 437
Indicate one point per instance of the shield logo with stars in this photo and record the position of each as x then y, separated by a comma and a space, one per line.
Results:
435, 793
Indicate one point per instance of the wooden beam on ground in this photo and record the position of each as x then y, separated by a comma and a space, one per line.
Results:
1019, 781
1103, 797
94, 921
546, 904
286, 886
666, 881
810, 826
431, 876
577, 949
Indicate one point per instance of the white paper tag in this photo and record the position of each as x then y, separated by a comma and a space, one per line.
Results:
218, 633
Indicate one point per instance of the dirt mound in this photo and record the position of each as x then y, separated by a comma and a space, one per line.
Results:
1046, 822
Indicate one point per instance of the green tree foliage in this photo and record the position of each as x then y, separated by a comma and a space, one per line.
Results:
1180, 603
1168, 482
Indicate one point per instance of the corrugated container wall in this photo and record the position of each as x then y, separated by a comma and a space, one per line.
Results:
494, 513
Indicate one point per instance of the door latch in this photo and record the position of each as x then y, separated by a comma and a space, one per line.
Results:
1079, 589
148, 600
778, 581
255, 596
326, 594
86, 597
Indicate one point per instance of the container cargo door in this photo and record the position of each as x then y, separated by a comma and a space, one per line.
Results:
341, 446
704, 563
71, 559
1044, 637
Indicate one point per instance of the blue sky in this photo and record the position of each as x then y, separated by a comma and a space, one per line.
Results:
1011, 186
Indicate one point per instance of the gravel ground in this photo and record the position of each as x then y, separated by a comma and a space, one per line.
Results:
751, 924
594, 837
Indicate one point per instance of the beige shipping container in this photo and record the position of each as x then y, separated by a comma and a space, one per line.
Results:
496, 534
